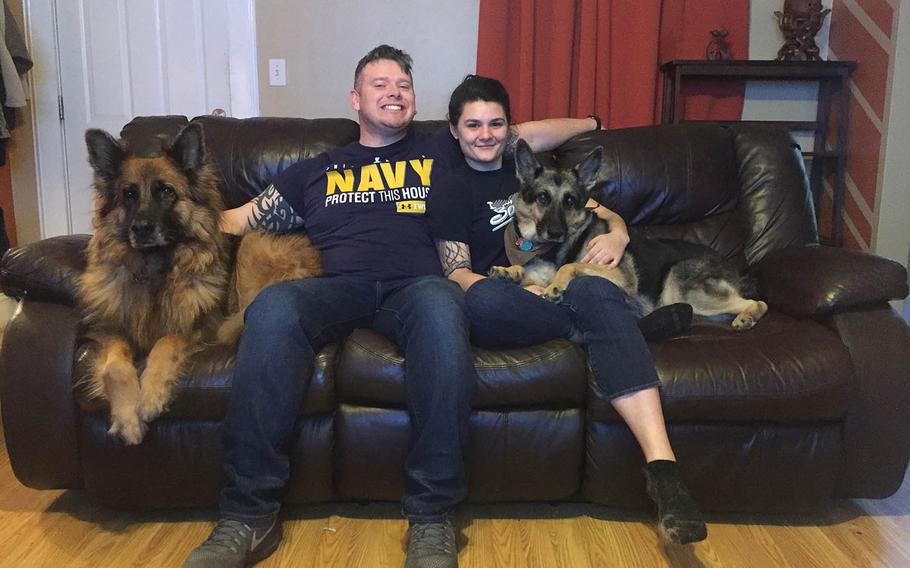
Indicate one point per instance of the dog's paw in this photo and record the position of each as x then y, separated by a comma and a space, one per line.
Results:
155, 390
152, 404
553, 292
128, 427
743, 322
749, 317
513, 273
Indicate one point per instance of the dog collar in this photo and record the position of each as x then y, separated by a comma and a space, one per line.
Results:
520, 250
524, 244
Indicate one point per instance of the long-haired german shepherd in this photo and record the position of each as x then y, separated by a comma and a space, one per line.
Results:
158, 275
550, 211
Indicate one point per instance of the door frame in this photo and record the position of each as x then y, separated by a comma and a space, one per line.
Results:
53, 191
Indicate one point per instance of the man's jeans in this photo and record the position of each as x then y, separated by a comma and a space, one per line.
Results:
288, 323
593, 312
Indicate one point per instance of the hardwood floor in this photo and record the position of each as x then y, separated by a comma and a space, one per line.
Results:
62, 528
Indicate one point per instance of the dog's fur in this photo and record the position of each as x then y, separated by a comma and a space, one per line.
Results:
158, 275
550, 209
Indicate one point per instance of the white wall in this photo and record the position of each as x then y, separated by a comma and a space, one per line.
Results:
322, 42
779, 100
892, 237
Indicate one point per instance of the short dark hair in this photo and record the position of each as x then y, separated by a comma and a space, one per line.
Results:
478, 88
384, 52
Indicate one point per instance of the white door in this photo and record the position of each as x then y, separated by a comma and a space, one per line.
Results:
118, 59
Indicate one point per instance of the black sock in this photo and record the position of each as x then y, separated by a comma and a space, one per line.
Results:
666, 322
678, 519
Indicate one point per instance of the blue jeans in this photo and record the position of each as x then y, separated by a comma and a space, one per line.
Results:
288, 323
593, 312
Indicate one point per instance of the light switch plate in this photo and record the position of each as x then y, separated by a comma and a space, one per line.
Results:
278, 73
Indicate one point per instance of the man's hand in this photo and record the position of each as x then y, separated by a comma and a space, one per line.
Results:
606, 249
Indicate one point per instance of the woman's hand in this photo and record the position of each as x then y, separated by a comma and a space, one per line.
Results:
534, 289
606, 249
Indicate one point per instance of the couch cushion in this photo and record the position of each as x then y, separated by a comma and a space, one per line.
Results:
205, 390
179, 463
147, 135
782, 370
517, 455
248, 153
775, 206
664, 175
370, 372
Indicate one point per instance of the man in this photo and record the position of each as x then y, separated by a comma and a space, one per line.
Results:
381, 271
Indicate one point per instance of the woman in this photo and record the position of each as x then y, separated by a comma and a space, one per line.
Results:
468, 210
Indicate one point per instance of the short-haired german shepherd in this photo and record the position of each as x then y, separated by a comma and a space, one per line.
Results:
550, 211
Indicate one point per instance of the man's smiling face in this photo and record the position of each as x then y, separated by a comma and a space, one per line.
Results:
384, 98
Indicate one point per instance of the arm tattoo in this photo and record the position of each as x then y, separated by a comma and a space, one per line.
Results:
452, 255
272, 213
511, 141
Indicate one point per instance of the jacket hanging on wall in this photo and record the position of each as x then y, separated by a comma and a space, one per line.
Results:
14, 61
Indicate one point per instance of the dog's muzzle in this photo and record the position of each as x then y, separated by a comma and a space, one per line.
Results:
145, 234
551, 231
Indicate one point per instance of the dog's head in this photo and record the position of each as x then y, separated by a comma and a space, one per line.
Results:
154, 201
552, 201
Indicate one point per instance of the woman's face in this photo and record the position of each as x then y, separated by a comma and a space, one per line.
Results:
481, 132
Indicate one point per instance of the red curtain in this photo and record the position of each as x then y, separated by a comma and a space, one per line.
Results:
577, 57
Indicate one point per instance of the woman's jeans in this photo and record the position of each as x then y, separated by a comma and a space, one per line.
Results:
593, 311
288, 323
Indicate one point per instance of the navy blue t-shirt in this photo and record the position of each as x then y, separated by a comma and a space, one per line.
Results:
364, 208
473, 207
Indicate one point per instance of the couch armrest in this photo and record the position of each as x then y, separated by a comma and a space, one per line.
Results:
876, 433
813, 280
36, 394
46, 270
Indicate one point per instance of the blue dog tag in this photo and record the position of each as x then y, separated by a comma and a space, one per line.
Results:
524, 244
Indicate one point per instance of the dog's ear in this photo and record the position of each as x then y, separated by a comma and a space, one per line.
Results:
526, 165
105, 153
188, 149
588, 170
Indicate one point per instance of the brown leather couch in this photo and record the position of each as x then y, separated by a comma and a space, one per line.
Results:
811, 404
